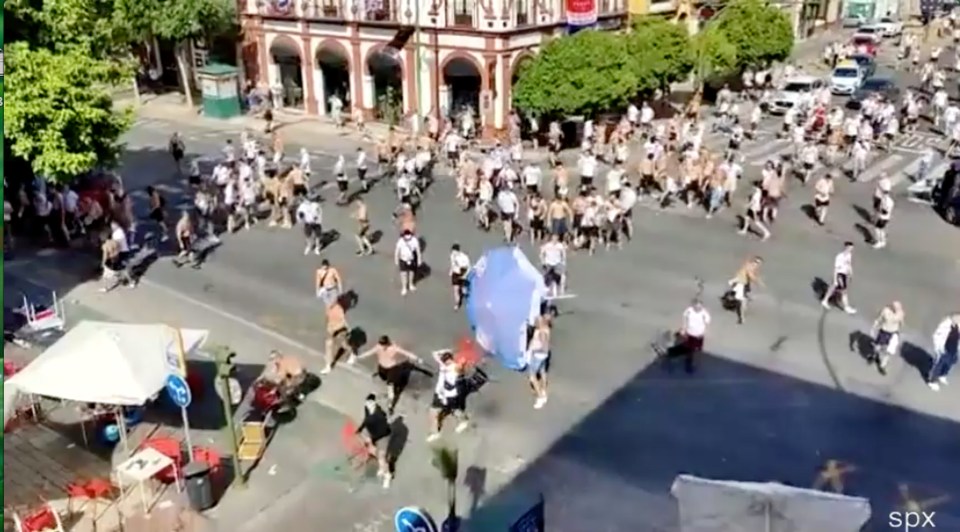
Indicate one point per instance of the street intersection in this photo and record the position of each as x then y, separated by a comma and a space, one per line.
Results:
780, 398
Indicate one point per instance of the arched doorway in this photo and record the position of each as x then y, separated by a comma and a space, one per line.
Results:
333, 65
463, 82
387, 73
288, 73
519, 65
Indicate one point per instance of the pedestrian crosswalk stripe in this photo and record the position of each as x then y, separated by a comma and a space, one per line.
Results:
768, 151
875, 170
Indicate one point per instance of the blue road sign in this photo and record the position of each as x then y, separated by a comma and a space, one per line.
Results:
179, 391
412, 519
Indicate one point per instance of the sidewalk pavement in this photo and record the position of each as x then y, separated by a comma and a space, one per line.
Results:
304, 471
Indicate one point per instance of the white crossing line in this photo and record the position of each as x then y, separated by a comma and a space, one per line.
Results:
875, 170
759, 155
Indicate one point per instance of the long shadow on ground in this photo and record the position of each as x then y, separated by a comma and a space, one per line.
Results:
613, 471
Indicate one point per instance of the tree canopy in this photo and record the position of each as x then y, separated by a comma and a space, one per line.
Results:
715, 55
586, 73
660, 52
58, 116
762, 33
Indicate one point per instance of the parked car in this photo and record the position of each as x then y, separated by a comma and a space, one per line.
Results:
865, 44
869, 30
854, 21
883, 86
866, 63
795, 89
889, 27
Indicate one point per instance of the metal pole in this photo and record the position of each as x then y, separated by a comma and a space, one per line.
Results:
417, 48
186, 434
228, 414
182, 360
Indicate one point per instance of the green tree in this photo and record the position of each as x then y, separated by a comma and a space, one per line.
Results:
584, 74
714, 55
180, 21
761, 32
59, 114
660, 52
98, 26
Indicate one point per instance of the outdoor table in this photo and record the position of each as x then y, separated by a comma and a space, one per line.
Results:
143, 467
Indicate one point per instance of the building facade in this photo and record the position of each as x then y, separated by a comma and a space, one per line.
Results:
371, 55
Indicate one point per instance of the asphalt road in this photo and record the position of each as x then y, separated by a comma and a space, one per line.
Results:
777, 399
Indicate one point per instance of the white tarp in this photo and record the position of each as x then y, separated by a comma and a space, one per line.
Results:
106, 363
729, 506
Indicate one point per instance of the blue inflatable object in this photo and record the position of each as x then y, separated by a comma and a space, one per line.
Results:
110, 433
504, 296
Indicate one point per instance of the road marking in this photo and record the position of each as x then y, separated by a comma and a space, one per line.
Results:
882, 166
769, 151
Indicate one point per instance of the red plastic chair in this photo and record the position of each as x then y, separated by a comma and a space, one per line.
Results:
211, 457
358, 453
40, 520
170, 448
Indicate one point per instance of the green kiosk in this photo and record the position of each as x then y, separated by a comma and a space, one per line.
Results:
219, 87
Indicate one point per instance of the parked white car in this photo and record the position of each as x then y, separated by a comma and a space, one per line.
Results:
794, 90
871, 31
889, 27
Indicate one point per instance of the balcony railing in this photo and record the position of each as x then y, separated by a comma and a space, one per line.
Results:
382, 13
461, 18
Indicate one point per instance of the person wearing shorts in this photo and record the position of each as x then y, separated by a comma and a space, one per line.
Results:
449, 395
538, 359
376, 431
338, 337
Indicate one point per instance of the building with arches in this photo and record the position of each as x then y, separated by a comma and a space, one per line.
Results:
365, 51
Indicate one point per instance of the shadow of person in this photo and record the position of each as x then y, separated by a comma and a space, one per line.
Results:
819, 287
475, 479
862, 344
917, 357
399, 436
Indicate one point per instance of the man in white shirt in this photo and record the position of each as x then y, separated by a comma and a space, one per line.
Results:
615, 180
946, 343
459, 267
407, 257
588, 169
310, 214
693, 330
842, 272
509, 204
553, 259
120, 236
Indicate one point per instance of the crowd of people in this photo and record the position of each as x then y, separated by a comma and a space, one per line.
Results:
619, 164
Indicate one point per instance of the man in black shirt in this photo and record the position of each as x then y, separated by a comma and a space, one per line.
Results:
375, 430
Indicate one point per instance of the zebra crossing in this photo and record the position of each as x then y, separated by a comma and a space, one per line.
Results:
901, 166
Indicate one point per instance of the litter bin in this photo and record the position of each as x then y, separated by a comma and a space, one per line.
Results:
196, 479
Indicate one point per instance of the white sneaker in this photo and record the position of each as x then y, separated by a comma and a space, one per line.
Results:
943, 380
934, 386
825, 305
352, 360
850, 310
326, 370
413, 288
462, 426
879, 245
403, 292
538, 404
306, 250
433, 437
386, 481
316, 251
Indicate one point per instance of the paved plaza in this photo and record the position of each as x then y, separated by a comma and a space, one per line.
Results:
786, 397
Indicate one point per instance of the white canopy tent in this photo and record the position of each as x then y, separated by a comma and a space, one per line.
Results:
104, 363
729, 506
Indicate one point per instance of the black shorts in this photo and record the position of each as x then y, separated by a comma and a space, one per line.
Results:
880, 223
808, 166
821, 203
157, 215
508, 216
395, 376
533, 189
538, 224
408, 266
591, 231
734, 145
361, 173
883, 338
586, 181
452, 404
458, 279
363, 229
194, 179
312, 230
842, 282
299, 190
342, 184
753, 215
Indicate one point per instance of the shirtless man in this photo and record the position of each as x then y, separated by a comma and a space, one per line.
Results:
393, 367
361, 215
822, 192
186, 238
559, 215
328, 283
287, 373
742, 283
561, 181
886, 335
338, 337
772, 185
538, 360
536, 217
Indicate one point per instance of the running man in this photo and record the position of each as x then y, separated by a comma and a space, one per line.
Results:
538, 360
459, 268
449, 397
553, 259
842, 272
886, 335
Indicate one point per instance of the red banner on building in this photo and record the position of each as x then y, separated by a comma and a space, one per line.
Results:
581, 12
